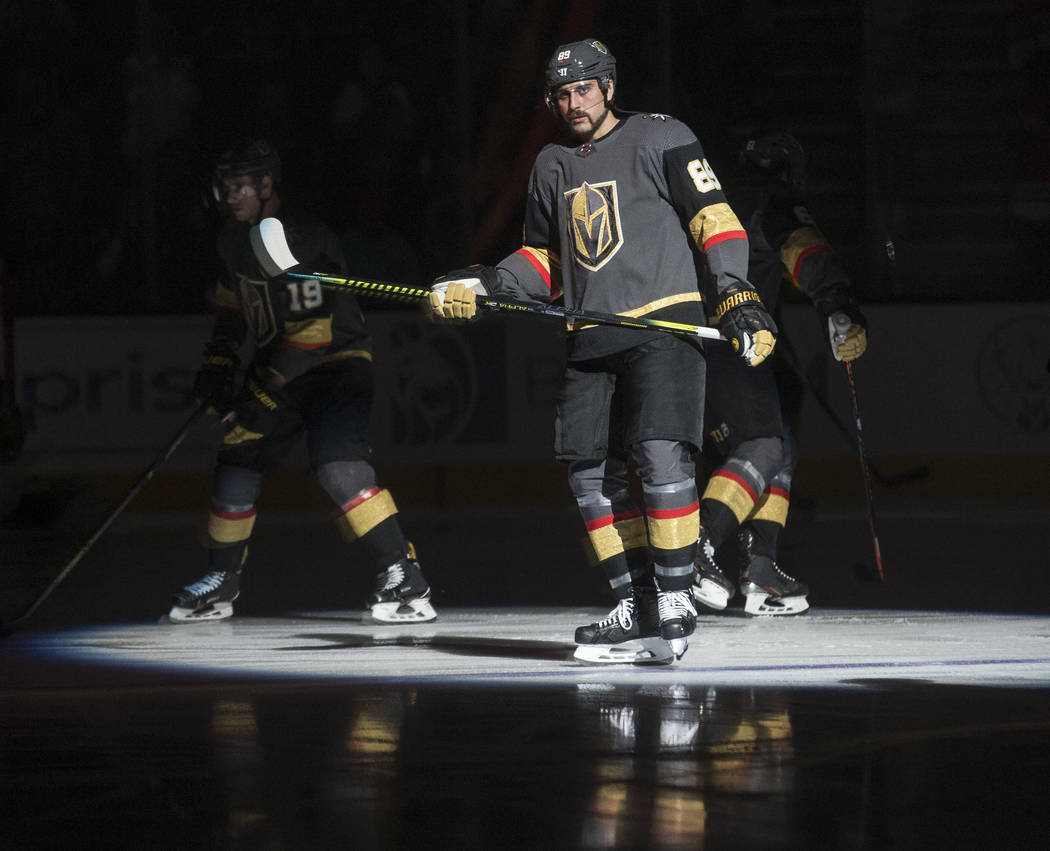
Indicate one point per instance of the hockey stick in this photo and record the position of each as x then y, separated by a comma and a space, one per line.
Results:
8, 628
889, 480
864, 467
271, 250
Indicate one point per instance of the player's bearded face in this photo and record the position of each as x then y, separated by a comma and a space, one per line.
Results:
583, 108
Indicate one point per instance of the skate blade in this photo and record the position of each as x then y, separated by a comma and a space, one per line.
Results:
762, 605
710, 594
678, 646
414, 611
214, 612
640, 651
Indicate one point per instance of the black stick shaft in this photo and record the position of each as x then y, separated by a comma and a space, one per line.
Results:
904, 477
400, 292
143, 479
864, 468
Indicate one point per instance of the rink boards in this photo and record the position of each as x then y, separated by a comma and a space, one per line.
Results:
533, 647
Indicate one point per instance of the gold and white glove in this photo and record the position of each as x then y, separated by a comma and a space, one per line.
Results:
453, 297
848, 333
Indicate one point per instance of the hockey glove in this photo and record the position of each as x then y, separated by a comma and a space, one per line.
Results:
747, 325
848, 333
256, 407
453, 297
214, 382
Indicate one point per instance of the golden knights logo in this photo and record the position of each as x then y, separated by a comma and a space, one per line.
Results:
594, 222
258, 311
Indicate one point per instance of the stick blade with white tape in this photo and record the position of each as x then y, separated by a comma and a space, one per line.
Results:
270, 246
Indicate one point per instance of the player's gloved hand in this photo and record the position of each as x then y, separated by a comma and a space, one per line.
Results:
747, 325
453, 297
256, 407
848, 333
214, 382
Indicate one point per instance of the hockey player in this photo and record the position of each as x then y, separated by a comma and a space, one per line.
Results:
310, 373
620, 217
749, 493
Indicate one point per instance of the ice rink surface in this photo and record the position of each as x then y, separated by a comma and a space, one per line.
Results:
913, 713
494, 647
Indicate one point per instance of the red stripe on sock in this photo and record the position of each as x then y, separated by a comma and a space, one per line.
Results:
672, 513
609, 519
232, 515
361, 497
733, 477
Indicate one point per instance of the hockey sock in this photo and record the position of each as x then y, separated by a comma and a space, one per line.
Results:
672, 514
228, 532
371, 518
717, 520
759, 538
730, 496
232, 517
770, 514
616, 530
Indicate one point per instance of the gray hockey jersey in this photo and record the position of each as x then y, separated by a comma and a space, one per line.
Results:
625, 224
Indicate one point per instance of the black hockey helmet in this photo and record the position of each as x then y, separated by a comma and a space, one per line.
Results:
255, 157
589, 59
775, 153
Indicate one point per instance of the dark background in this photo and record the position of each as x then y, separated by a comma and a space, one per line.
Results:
411, 127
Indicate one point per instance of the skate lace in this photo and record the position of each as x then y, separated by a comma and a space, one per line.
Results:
771, 579
623, 614
207, 583
706, 556
674, 604
780, 573
394, 576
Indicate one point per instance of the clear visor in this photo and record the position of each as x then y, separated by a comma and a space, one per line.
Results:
234, 188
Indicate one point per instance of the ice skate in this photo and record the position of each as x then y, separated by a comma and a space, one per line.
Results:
402, 595
677, 619
711, 587
208, 599
629, 634
770, 591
